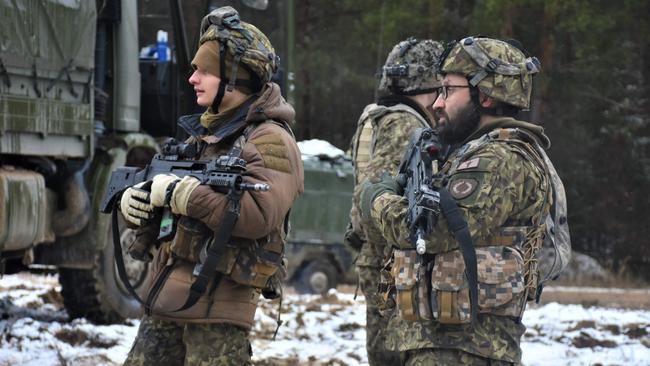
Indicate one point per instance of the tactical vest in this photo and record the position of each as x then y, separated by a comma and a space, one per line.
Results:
508, 262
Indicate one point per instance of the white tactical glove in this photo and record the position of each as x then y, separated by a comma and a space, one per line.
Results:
161, 187
181, 194
135, 205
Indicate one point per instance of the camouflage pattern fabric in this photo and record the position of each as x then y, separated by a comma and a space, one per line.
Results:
167, 343
512, 80
495, 337
391, 134
375, 323
495, 186
411, 67
238, 36
448, 357
391, 137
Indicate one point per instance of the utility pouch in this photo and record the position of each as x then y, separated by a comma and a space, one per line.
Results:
501, 286
273, 288
411, 295
257, 262
191, 236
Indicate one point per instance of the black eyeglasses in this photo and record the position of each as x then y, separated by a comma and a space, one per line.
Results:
443, 91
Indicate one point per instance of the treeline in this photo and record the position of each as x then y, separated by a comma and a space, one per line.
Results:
592, 96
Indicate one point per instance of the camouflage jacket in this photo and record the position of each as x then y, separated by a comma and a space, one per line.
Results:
497, 187
378, 145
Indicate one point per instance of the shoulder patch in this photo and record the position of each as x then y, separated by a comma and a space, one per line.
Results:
463, 187
273, 151
469, 164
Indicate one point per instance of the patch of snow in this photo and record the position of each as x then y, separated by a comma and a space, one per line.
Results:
316, 148
317, 330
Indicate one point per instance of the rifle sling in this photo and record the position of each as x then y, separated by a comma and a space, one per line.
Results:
458, 226
215, 251
119, 259
217, 248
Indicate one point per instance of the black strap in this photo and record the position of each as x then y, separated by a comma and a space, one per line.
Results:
215, 251
458, 226
222, 82
119, 260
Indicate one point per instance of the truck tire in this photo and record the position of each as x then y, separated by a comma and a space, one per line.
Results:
317, 277
97, 294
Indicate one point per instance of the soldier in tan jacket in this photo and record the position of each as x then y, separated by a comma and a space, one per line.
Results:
246, 117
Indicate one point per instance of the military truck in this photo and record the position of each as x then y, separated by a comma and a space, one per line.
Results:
318, 260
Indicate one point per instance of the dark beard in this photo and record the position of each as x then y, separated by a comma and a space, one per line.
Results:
457, 130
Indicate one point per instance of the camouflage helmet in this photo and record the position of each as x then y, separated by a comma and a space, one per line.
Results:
411, 68
499, 69
242, 41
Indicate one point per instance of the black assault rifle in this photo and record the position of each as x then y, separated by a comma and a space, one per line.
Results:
222, 173
416, 175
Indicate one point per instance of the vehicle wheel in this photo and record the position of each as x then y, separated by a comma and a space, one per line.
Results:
317, 278
98, 294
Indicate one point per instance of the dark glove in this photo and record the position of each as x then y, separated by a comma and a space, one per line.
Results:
352, 239
375, 187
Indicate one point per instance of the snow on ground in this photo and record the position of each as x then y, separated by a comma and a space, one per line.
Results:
317, 148
316, 330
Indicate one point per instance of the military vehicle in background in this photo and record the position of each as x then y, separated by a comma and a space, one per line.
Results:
81, 95
318, 260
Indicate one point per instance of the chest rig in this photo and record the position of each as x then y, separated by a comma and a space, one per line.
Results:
548, 227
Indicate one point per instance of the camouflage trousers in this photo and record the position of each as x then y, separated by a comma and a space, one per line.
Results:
162, 342
448, 357
376, 325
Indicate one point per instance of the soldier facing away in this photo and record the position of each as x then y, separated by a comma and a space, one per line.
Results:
247, 118
408, 88
500, 178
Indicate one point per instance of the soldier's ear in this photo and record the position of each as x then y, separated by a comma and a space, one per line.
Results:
487, 102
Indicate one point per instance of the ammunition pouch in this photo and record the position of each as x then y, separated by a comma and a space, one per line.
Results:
247, 262
258, 261
439, 289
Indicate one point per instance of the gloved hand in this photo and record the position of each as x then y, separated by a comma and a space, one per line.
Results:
181, 194
375, 187
161, 186
135, 204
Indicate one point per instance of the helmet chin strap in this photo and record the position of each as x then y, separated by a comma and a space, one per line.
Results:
222, 82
